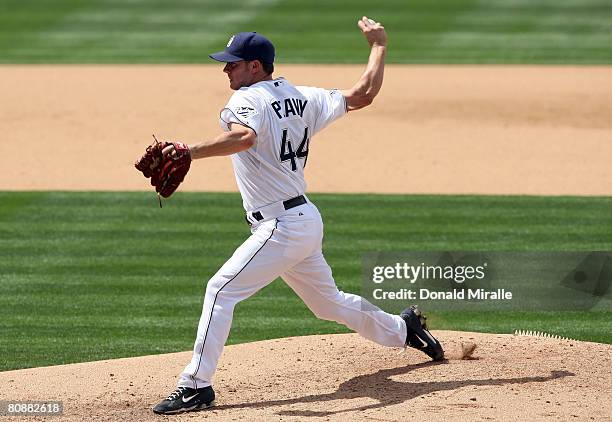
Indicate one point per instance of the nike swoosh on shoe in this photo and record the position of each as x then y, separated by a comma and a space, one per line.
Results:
187, 399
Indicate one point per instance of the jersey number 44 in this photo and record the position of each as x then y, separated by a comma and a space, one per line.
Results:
287, 152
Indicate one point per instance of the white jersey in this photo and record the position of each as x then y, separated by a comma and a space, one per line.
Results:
285, 118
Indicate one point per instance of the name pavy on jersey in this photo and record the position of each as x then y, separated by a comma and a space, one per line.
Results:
288, 107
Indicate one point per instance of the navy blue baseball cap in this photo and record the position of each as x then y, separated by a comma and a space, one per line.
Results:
246, 46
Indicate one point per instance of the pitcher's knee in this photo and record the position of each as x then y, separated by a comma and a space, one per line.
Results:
214, 285
224, 290
219, 290
326, 314
334, 308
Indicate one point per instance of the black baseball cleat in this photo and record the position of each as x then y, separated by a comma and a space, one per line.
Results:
417, 335
185, 399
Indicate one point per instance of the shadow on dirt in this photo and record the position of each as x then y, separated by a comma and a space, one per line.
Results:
378, 386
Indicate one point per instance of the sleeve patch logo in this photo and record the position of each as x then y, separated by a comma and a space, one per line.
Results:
246, 112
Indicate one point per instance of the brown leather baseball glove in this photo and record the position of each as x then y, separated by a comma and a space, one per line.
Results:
166, 167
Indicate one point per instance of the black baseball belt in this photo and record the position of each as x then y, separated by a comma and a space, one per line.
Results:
288, 204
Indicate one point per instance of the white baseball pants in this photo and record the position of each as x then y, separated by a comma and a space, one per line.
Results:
288, 246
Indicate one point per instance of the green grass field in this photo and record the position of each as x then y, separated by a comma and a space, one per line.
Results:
421, 31
88, 276
83, 276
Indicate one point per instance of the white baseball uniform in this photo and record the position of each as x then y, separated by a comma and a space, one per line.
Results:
287, 230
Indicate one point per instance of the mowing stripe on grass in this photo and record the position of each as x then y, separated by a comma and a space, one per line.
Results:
88, 276
118, 31
317, 31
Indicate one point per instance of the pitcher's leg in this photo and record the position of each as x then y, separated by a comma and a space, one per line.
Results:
256, 263
313, 282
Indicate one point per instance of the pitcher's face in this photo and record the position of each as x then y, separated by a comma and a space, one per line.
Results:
239, 73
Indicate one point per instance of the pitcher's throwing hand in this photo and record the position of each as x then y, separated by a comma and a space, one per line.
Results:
373, 31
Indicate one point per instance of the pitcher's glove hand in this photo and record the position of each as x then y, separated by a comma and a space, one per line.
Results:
166, 163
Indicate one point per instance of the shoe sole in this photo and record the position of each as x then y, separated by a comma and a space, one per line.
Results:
201, 406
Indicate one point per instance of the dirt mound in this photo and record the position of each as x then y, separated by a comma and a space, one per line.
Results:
344, 377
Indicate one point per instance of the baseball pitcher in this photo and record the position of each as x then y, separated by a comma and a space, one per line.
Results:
268, 124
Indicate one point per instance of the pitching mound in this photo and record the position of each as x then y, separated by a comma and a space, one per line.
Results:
344, 377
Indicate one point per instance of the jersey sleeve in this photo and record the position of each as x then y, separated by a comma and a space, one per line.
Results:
331, 105
242, 110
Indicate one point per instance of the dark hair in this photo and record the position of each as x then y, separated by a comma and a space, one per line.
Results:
267, 67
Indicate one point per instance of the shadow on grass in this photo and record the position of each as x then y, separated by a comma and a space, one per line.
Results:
378, 386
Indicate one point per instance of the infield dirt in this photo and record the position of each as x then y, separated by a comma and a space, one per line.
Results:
433, 129
345, 377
